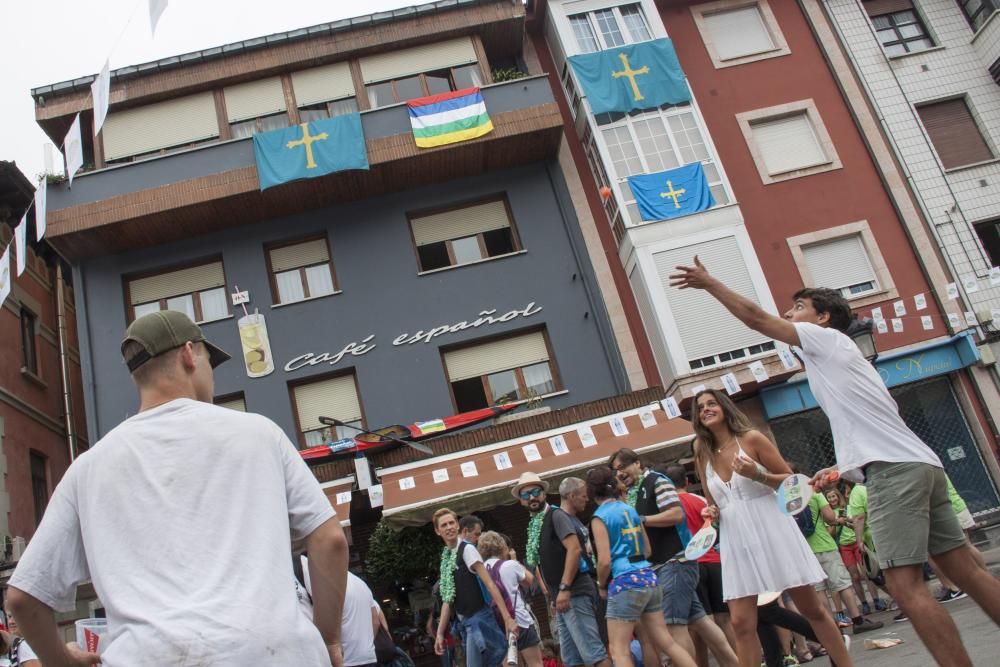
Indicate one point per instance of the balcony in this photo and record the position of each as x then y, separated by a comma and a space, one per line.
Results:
215, 186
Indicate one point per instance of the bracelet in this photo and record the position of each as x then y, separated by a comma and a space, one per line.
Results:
761, 476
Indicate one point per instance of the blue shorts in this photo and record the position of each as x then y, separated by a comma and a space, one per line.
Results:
579, 638
629, 605
679, 582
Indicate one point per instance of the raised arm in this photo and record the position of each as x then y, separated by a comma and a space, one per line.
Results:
327, 547
745, 310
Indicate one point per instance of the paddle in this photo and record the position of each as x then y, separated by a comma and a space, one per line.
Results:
331, 421
701, 542
796, 491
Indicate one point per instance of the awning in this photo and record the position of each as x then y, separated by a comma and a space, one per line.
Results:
339, 493
481, 478
939, 358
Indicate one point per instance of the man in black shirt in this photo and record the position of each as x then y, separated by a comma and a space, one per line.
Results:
560, 556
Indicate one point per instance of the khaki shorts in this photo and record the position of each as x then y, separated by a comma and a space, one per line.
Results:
909, 513
837, 577
965, 519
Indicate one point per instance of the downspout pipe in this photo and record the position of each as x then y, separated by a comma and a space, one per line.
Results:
64, 361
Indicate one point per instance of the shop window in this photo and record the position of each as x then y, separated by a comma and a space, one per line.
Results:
39, 465
29, 341
899, 27
736, 32
232, 401
610, 27
301, 270
505, 369
198, 291
463, 235
977, 11
788, 141
954, 132
335, 397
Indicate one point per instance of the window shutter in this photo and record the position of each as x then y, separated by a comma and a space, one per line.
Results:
162, 125
174, 283
738, 32
954, 133
882, 7
788, 143
322, 84
839, 263
460, 222
336, 397
298, 255
426, 58
705, 326
498, 355
254, 99
235, 403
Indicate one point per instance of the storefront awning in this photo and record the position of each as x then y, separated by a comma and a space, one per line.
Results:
939, 358
481, 478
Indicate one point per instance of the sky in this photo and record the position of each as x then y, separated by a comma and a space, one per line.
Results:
48, 41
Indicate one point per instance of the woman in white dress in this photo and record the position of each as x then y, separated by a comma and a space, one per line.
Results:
762, 549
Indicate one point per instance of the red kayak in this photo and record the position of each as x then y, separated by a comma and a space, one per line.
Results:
389, 437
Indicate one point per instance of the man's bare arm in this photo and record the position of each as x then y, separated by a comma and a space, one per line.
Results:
37, 622
745, 310
328, 554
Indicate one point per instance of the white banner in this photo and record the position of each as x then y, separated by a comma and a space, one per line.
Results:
21, 237
5, 279
156, 9
73, 150
41, 195
100, 90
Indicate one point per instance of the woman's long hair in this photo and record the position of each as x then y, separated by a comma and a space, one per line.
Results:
704, 442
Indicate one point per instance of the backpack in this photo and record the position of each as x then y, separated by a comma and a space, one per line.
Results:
804, 519
494, 572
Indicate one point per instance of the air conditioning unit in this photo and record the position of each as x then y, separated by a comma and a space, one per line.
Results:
18, 548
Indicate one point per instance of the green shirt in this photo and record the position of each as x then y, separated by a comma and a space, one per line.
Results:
846, 533
957, 503
857, 504
821, 540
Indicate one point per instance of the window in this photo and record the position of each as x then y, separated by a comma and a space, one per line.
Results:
335, 397
39, 483
788, 141
157, 127
650, 141
463, 235
330, 109
199, 291
954, 133
513, 368
842, 264
989, 236
397, 76
301, 270
232, 401
977, 11
324, 92
899, 27
708, 333
736, 32
29, 344
608, 28
257, 106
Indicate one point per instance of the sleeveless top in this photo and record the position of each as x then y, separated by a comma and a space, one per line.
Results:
625, 537
738, 487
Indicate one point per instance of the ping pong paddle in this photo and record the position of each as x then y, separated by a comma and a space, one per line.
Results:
701, 542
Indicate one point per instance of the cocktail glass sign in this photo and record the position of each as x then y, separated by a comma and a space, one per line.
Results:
257, 357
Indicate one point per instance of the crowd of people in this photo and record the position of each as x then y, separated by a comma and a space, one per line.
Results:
185, 542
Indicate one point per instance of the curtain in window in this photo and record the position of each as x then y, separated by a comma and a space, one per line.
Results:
320, 280
213, 304
538, 378
289, 286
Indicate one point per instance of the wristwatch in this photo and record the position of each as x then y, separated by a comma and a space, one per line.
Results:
563, 587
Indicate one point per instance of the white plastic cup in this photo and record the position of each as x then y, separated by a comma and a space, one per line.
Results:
91, 634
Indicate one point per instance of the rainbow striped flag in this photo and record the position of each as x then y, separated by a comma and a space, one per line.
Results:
449, 117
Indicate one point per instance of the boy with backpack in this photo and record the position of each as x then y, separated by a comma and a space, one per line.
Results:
510, 577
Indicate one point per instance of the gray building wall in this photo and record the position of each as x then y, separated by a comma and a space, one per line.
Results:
382, 294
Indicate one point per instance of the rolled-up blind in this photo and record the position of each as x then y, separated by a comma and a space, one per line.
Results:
788, 143
298, 255
254, 99
162, 125
495, 356
738, 32
425, 58
880, 7
335, 397
460, 222
954, 133
175, 283
705, 326
322, 84
235, 403
839, 263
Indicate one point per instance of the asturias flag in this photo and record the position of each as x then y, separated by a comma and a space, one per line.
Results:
630, 78
309, 150
449, 117
672, 193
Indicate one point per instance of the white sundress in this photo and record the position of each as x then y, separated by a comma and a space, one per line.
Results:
762, 549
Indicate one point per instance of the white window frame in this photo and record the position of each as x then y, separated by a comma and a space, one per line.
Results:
779, 48
747, 119
623, 29
886, 287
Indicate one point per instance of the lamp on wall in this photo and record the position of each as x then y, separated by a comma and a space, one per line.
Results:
861, 331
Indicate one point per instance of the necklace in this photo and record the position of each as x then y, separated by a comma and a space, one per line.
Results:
448, 556
718, 450
534, 533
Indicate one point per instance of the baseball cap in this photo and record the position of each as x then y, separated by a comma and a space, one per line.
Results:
163, 331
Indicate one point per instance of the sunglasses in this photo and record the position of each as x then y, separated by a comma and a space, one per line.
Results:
533, 493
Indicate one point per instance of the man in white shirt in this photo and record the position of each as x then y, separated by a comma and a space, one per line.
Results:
910, 515
182, 517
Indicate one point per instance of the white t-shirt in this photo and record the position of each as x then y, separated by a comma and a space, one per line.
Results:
470, 556
511, 575
863, 416
183, 517
357, 633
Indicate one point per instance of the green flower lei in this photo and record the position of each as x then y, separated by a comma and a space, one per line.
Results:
447, 584
633, 493
534, 533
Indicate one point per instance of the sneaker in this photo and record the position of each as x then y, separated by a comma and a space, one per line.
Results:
842, 620
865, 609
901, 617
847, 641
881, 605
950, 595
866, 626
790, 661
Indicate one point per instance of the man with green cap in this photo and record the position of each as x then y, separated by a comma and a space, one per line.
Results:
182, 518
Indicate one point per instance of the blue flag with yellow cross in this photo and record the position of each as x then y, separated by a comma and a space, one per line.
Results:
672, 193
309, 150
630, 78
